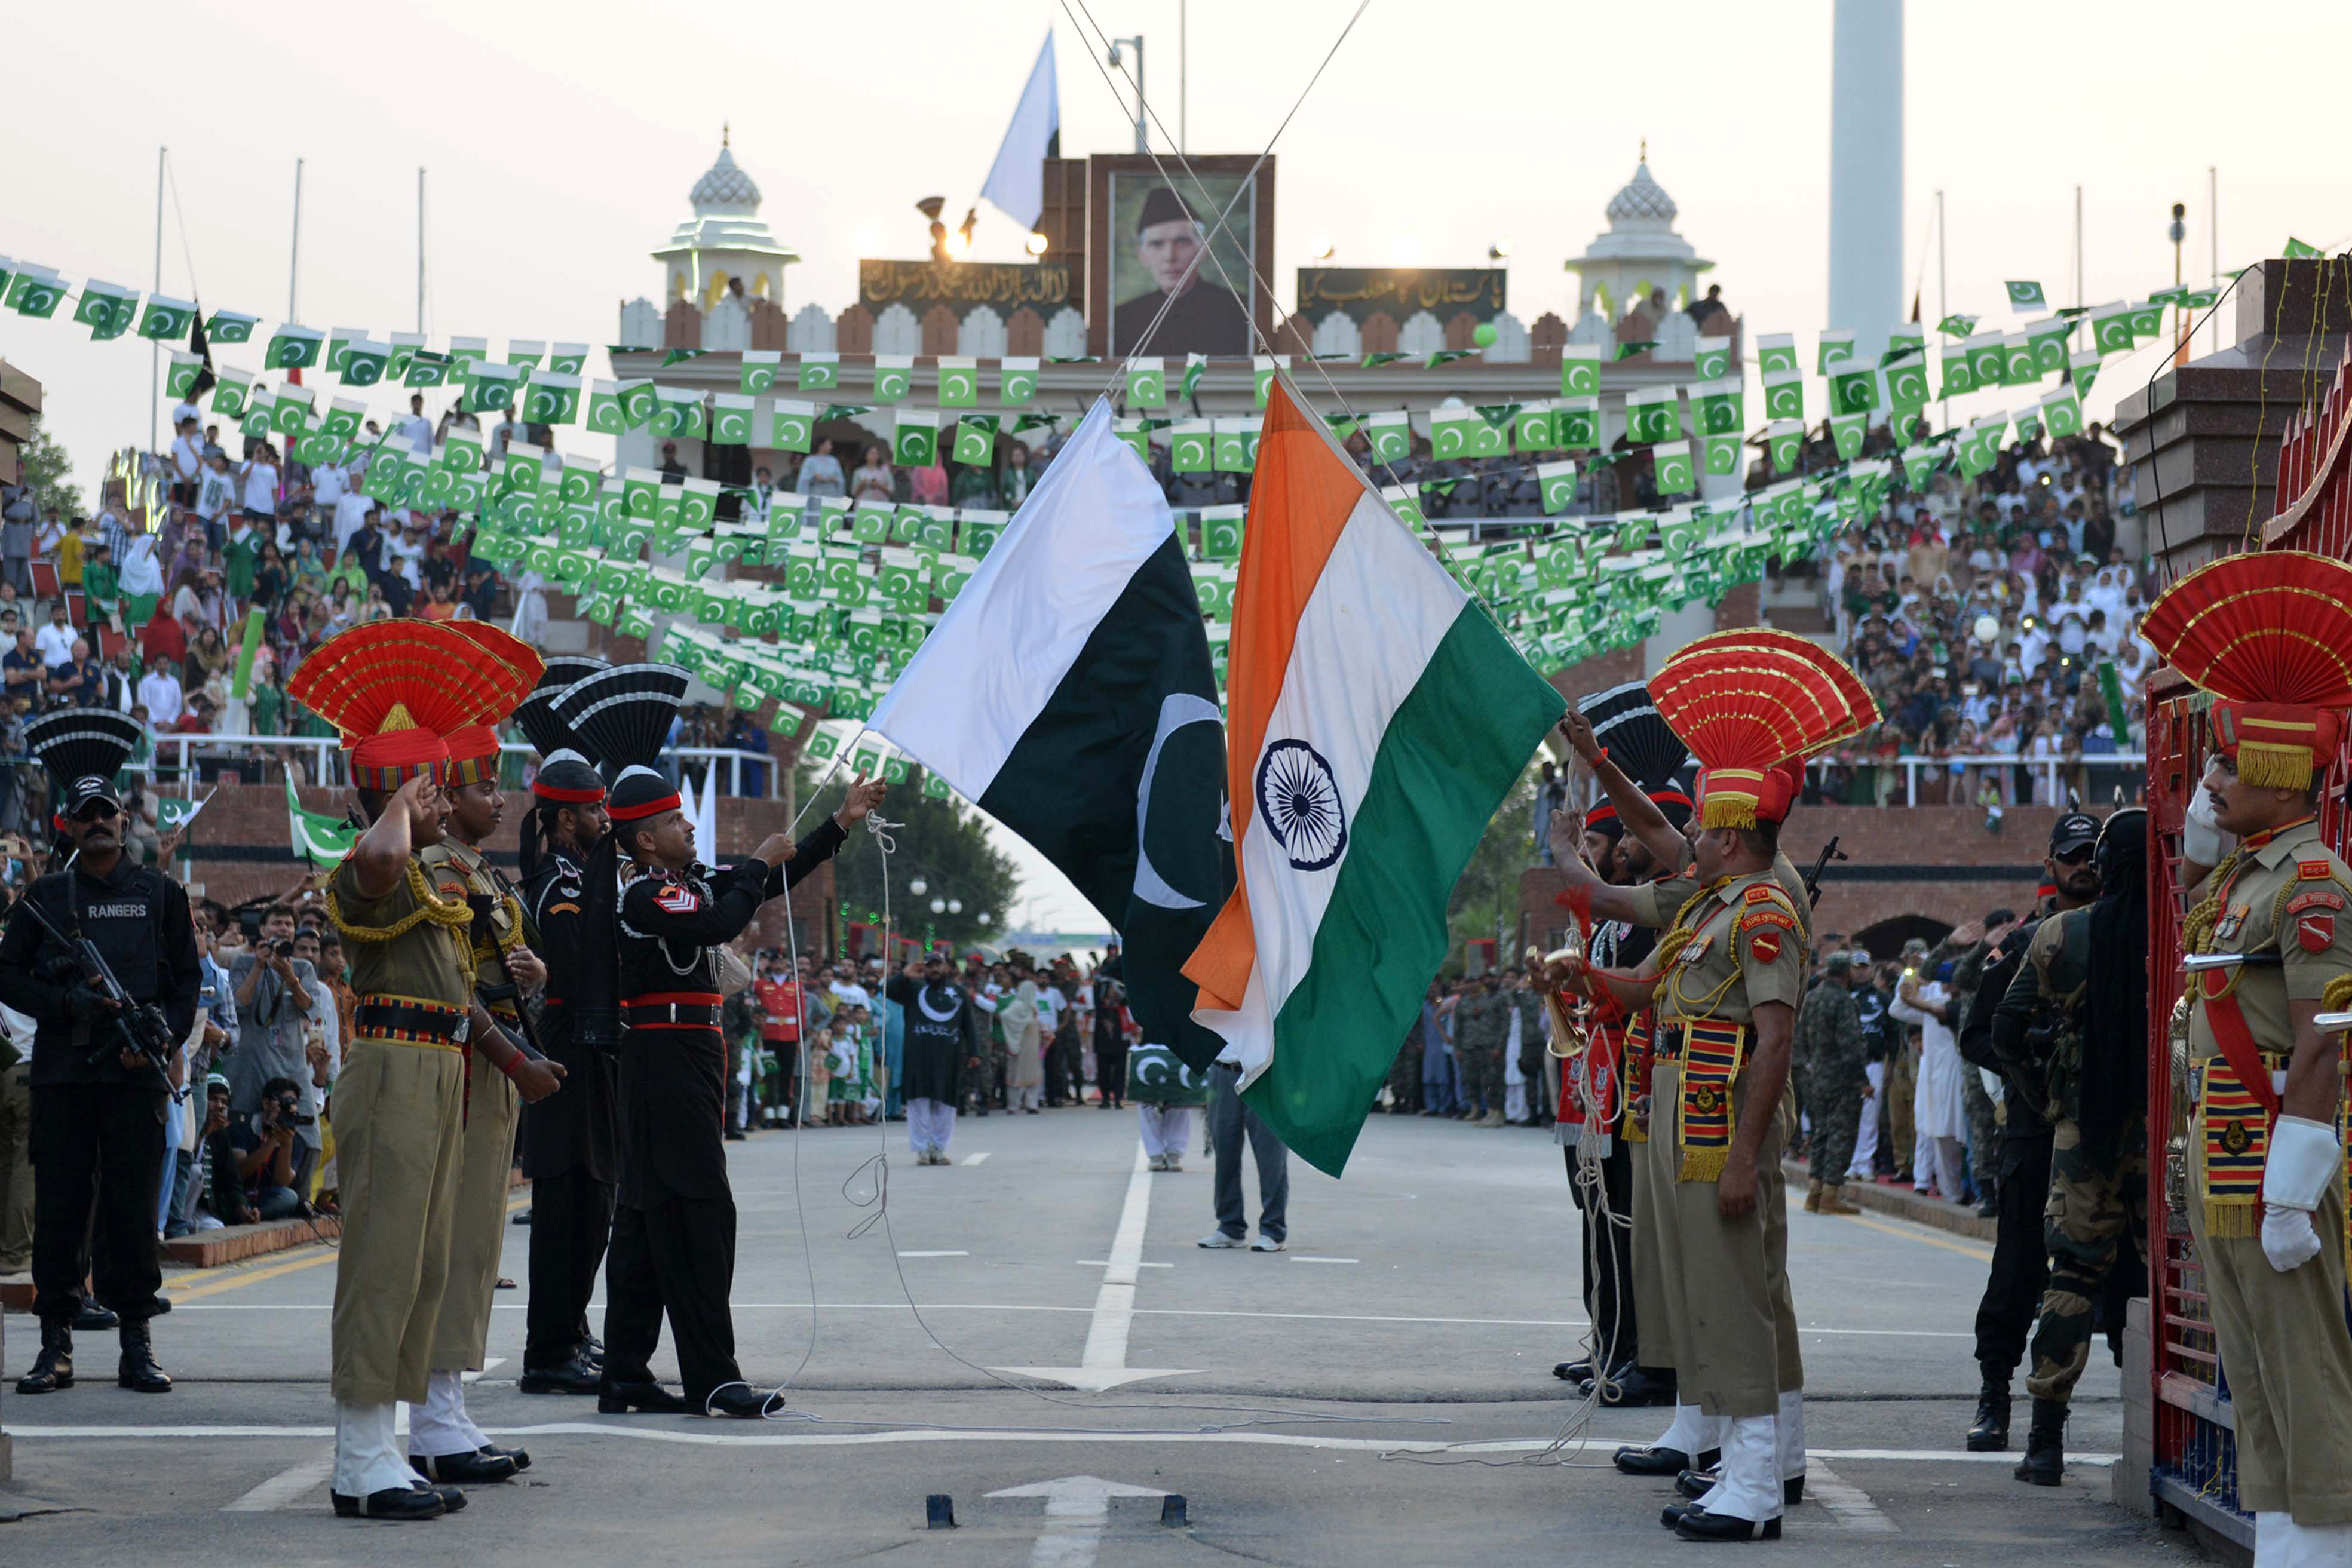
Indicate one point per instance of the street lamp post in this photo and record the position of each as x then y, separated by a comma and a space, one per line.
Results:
1143, 143
2178, 233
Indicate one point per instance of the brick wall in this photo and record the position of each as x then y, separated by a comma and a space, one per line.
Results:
1931, 863
240, 849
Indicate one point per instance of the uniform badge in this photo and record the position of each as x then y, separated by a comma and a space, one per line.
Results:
2315, 931
1694, 950
1764, 947
2235, 1139
677, 899
2314, 898
1760, 894
1704, 1099
2314, 871
2232, 921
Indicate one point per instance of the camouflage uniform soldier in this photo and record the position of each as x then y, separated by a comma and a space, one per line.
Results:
1829, 1052
1482, 1021
1984, 1116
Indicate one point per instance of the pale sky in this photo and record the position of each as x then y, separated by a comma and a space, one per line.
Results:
562, 141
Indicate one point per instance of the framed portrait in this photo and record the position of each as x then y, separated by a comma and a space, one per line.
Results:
1170, 256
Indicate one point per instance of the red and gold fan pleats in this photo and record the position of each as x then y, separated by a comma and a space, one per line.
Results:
1861, 705
392, 675
2269, 635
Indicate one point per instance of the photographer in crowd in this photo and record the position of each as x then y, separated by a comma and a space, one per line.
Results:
250, 1160
279, 1002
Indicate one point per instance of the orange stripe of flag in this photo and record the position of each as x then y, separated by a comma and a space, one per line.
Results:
1301, 496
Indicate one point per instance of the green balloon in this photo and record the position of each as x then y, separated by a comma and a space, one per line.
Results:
1484, 335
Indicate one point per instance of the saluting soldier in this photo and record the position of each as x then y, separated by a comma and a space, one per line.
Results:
444, 1443
392, 688
2269, 948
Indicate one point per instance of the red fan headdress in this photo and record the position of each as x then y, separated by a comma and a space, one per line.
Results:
1858, 700
2269, 635
395, 688
1750, 714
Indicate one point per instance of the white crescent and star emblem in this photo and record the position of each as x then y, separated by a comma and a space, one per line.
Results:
1177, 710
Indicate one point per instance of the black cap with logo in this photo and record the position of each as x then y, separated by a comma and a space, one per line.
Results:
2075, 830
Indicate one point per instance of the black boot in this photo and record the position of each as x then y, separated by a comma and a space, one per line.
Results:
1990, 1435
2045, 1445
137, 1369
53, 1368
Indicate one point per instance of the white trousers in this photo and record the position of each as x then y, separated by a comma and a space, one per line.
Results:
2280, 1542
931, 1124
367, 1452
1865, 1139
1166, 1128
1691, 1431
1751, 1487
440, 1426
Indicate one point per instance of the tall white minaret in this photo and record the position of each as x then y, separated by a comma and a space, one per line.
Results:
1867, 173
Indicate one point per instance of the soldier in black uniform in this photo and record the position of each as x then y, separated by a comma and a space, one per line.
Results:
96, 1141
673, 1245
567, 1146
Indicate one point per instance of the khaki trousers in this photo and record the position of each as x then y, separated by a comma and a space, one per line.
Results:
1658, 1267
1735, 1328
2288, 1357
477, 1231
397, 1110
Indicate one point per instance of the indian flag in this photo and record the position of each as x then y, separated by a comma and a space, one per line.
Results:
1375, 720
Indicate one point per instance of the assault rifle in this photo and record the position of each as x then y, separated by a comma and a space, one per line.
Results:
1813, 877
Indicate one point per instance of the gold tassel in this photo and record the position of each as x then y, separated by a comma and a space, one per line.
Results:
1703, 1165
1634, 1132
2337, 996
1728, 811
2266, 766
2233, 1221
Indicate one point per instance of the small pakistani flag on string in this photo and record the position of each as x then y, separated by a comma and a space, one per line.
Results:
1784, 440
917, 443
640, 401
975, 440
180, 376
894, 377
568, 359
1195, 367
605, 409
426, 369
641, 492
1451, 432
1956, 326
758, 371
291, 411
1653, 414
731, 419
35, 291
1391, 435
819, 370
2025, 296
363, 362
1016, 381
555, 399
1147, 383
1835, 348
1531, 428
164, 319
1846, 431
1719, 455
1959, 378
1906, 381
1405, 502
1559, 483
2062, 413
1579, 370
678, 411
1719, 406
2029, 424
521, 469
294, 347
526, 351
1673, 475
1625, 350
229, 327
1262, 373
2148, 321
2048, 341
958, 383
1776, 352
2084, 366
2297, 250
1237, 443
493, 386
2017, 367
1220, 532
1576, 423
977, 531
1712, 358
1903, 340
1784, 394
699, 503
1987, 361
106, 309
792, 426
339, 347
1919, 466
1190, 446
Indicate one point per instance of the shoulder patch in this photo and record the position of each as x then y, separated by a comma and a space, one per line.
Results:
450, 887
1761, 892
2316, 932
1772, 916
2314, 898
677, 899
1764, 947
2314, 871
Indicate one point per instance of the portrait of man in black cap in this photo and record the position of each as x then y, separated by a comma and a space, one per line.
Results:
1163, 261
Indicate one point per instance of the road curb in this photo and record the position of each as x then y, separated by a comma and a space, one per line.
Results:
1904, 1204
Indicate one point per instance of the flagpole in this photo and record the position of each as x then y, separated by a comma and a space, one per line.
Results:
2078, 247
420, 250
294, 257
2213, 235
155, 347
1943, 306
1184, 65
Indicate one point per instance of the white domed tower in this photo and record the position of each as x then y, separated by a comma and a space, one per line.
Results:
1640, 252
724, 242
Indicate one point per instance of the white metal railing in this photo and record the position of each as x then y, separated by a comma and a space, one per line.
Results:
2048, 771
323, 766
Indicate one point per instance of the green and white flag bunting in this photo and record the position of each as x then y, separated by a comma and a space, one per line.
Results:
1719, 455
1190, 446
2048, 341
916, 441
1906, 381
1453, 432
1195, 367
291, 411
1147, 383
294, 347
1576, 423
818, 371
1717, 407
1016, 381
1236, 441
1391, 435
1263, 369
493, 386
553, 398
1853, 389
180, 376
1579, 370
756, 374
1654, 414
2084, 366
2148, 321
426, 369
975, 440
1907, 339
318, 837
35, 291
563, 359
1776, 352
1784, 442
1220, 532
894, 377
1405, 502
2025, 296
364, 361
730, 418
1784, 394
2017, 367
1835, 348
1846, 432
2029, 424
1711, 361
2062, 413
1960, 379
106, 309
164, 319
1531, 428
2111, 329
1559, 483
1673, 475
792, 426
958, 383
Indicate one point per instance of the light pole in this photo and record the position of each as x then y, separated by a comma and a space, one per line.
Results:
1141, 143
2178, 233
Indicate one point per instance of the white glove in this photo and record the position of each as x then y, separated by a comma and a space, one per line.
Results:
2289, 1239
2304, 1159
2201, 838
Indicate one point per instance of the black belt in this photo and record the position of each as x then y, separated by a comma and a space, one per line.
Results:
414, 1022
675, 1015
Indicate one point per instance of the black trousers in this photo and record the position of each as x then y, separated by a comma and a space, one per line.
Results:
1609, 1254
1110, 1070
571, 1221
97, 1159
677, 1257
2021, 1261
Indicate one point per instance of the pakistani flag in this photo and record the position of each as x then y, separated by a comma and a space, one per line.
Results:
2048, 341
230, 327
1906, 381
1784, 394
917, 443
1653, 414
1919, 466
1264, 366
494, 386
35, 291
958, 383
2062, 413
2017, 366
604, 416
180, 375
294, 347
365, 362
291, 411
1085, 718
1776, 352
2084, 366
2025, 296
2111, 329
1959, 378
792, 426
1784, 439
818, 371
1147, 383
1453, 432
108, 310
1719, 455
164, 319
1846, 432
1674, 476
426, 369
2029, 424
1220, 532
1391, 436
317, 837
1580, 371
1853, 389
570, 359
1987, 360
1712, 361
1576, 423
894, 377
1719, 406
975, 440
2300, 250
1836, 348
552, 397
730, 418
1016, 381
1559, 482
2148, 321
1237, 444
1191, 443
1956, 326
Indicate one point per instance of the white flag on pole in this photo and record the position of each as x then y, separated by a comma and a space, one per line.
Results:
1016, 181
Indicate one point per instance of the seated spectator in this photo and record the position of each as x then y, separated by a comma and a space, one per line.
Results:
55, 641
250, 1160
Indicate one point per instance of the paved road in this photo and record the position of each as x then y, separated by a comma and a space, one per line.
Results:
1381, 1393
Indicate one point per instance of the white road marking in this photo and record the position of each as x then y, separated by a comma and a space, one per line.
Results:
285, 1488
757, 1439
1103, 1363
1105, 1263
975, 1159
489, 1365
1845, 1502
1077, 1512
1296, 1259
934, 1254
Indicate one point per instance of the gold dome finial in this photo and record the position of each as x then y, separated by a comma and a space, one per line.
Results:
727, 135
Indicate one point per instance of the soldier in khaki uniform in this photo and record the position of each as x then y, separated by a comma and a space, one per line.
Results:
392, 688
2263, 633
1725, 980
444, 1444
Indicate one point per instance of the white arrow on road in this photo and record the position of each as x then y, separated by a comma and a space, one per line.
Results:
1103, 1363
1077, 1511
